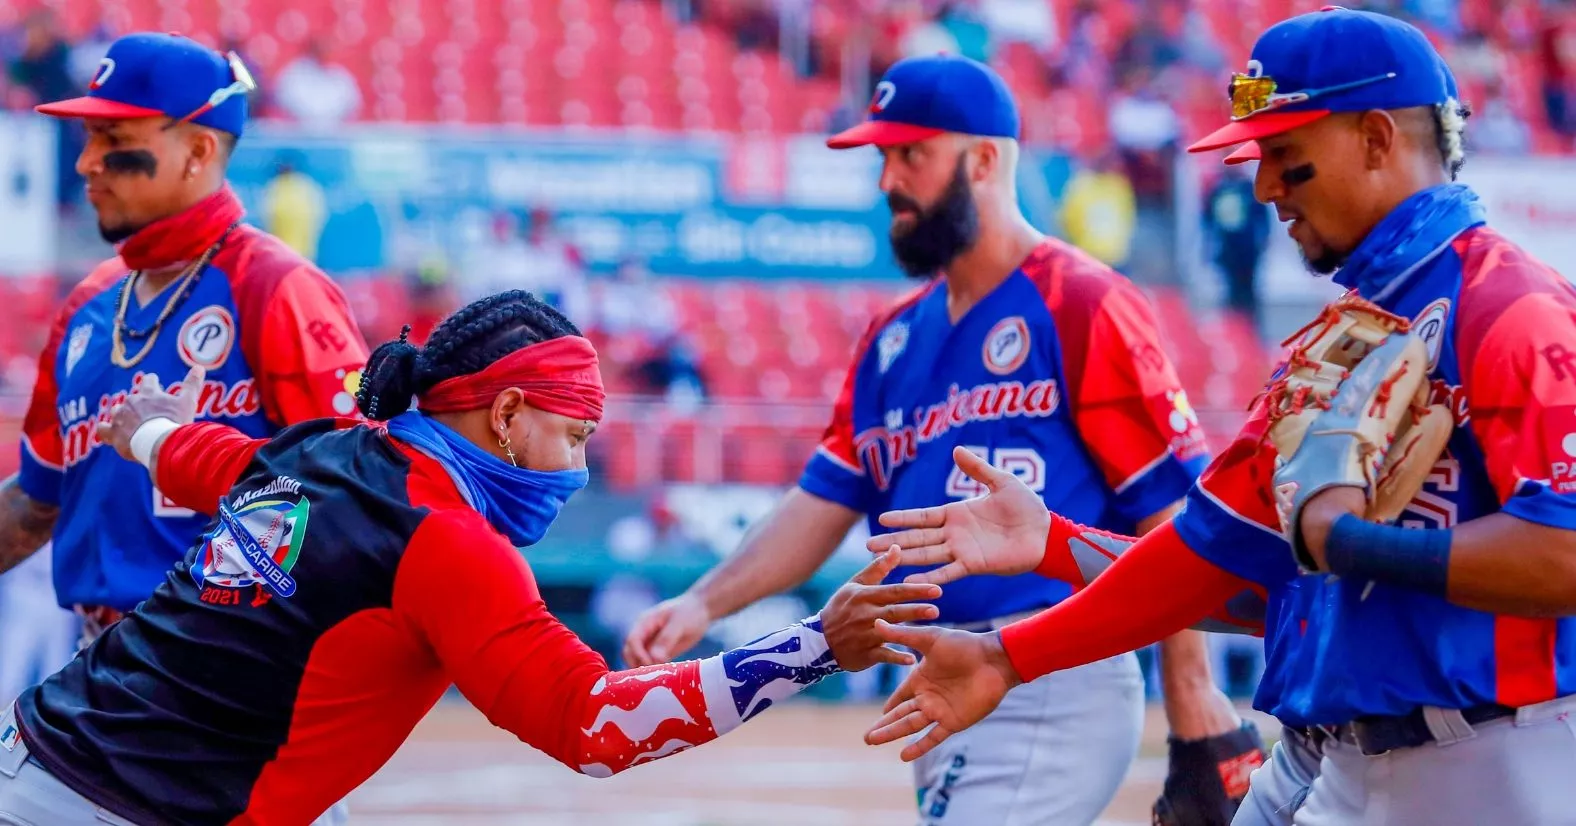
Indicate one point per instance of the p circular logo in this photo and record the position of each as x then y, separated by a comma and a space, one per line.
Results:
206, 338
1007, 345
1430, 327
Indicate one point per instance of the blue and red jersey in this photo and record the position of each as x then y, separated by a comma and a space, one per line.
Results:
1502, 347
1058, 375
279, 346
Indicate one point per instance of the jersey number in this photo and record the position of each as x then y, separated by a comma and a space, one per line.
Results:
165, 507
1429, 509
1022, 462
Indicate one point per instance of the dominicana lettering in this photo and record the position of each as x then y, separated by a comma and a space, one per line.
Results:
882, 450
218, 400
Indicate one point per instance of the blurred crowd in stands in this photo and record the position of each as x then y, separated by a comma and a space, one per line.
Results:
1119, 85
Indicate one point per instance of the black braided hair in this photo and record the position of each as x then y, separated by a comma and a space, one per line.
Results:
466, 342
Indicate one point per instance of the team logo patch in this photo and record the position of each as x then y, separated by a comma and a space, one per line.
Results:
256, 541
1430, 327
885, 91
1188, 439
1007, 345
1182, 417
77, 345
893, 339
1559, 428
205, 339
345, 400
1235, 772
106, 68
10, 735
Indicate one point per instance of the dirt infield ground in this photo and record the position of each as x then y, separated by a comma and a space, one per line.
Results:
803, 764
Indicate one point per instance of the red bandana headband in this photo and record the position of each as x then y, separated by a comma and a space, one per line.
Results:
558, 375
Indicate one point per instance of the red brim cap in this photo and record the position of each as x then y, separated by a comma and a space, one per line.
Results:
881, 133
1253, 128
92, 107
1246, 152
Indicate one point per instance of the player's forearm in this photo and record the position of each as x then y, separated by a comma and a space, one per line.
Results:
648, 713
1496, 563
1135, 603
1505, 565
780, 551
1195, 706
194, 464
25, 524
1077, 554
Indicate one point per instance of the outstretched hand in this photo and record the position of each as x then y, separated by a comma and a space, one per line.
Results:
1002, 532
151, 401
850, 616
961, 678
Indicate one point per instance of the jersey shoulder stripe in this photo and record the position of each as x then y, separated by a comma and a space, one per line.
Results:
257, 264
1495, 275
41, 425
1074, 286
837, 443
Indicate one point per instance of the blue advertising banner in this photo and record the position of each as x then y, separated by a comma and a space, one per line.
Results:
776, 207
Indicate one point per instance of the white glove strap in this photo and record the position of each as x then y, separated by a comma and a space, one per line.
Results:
147, 435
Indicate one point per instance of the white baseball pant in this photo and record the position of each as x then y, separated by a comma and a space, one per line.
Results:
1052, 754
1510, 770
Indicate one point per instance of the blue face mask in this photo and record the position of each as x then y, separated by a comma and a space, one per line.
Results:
519, 502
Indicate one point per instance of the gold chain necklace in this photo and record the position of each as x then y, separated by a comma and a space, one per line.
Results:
119, 332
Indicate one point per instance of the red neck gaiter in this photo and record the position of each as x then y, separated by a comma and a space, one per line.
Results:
183, 236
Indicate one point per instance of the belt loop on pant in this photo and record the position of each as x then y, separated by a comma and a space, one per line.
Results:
1546, 710
1447, 725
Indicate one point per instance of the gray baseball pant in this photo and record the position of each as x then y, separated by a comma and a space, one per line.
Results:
1508, 771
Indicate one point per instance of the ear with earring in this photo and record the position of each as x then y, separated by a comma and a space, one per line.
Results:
191, 170
504, 443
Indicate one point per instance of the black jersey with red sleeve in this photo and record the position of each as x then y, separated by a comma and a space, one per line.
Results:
344, 584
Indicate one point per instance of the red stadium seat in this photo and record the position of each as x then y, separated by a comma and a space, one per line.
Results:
757, 455
614, 451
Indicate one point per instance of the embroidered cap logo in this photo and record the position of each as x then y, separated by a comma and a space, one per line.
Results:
106, 68
885, 91
243, 84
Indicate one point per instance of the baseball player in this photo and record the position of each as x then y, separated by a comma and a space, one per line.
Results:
1422, 667
192, 286
1048, 364
353, 573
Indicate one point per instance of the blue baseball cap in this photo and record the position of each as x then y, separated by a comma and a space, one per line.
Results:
1331, 60
921, 97
150, 74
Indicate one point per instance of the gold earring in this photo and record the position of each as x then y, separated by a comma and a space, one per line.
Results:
504, 443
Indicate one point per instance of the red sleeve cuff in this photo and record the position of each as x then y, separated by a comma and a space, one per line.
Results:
1157, 588
1067, 541
198, 463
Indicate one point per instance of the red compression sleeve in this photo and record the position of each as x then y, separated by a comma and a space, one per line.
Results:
198, 463
1067, 541
1139, 600
472, 599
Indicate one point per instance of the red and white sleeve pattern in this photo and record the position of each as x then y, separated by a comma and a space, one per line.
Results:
649, 713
